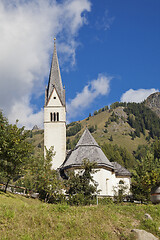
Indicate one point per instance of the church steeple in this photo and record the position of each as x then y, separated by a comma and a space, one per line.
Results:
55, 80
55, 114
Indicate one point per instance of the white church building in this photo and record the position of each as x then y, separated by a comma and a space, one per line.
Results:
109, 174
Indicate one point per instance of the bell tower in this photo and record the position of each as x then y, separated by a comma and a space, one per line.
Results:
55, 113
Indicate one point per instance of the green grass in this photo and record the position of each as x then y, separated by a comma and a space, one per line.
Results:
29, 219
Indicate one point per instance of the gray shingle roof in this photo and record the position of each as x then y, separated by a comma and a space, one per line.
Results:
55, 78
88, 148
87, 139
119, 170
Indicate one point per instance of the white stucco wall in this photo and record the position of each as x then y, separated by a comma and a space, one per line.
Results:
55, 131
107, 180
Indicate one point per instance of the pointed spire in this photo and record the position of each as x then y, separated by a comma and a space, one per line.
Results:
87, 139
55, 77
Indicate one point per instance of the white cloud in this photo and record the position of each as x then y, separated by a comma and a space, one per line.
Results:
23, 111
94, 89
137, 95
27, 29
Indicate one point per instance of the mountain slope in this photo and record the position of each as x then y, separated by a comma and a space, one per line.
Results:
153, 102
121, 128
117, 131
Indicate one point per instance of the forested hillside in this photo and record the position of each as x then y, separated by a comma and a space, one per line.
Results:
123, 131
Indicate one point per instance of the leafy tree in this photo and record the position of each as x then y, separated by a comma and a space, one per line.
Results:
145, 176
14, 151
41, 178
81, 186
120, 192
141, 151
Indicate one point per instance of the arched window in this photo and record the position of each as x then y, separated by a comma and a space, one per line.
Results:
121, 182
54, 116
107, 186
51, 117
57, 116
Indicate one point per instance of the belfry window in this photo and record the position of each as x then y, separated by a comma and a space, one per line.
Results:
51, 117
54, 117
57, 116
54, 114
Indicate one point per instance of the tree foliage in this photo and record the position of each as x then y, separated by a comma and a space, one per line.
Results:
81, 185
141, 117
41, 178
92, 128
15, 151
145, 176
118, 154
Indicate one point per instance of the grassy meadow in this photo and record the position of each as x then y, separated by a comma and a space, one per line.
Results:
29, 219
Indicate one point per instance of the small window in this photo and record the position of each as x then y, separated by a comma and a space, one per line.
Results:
51, 117
54, 116
121, 182
57, 116
54, 97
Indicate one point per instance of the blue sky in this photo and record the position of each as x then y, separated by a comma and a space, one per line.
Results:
108, 51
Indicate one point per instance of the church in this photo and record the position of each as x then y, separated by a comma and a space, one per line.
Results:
109, 174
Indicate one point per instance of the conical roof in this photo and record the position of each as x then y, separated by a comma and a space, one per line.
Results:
87, 148
87, 139
55, 77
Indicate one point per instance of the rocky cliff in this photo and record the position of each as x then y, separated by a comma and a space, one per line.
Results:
153, 102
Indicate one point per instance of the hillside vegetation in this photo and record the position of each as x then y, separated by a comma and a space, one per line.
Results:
29, 219
120, 130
